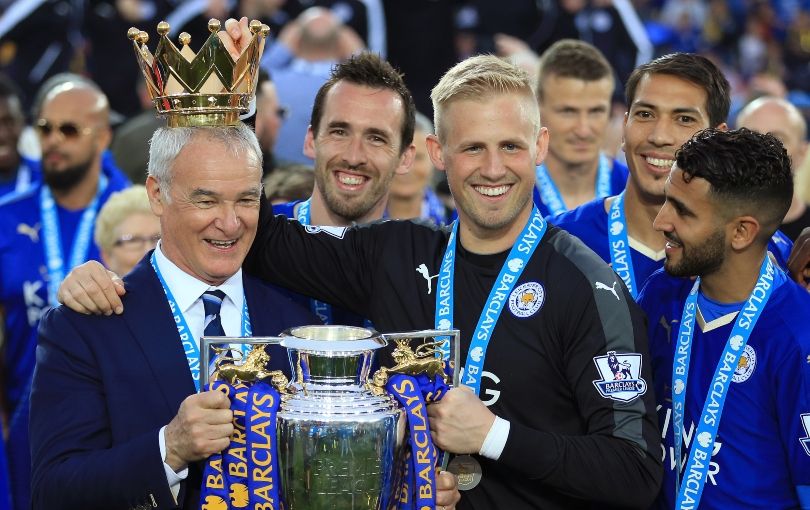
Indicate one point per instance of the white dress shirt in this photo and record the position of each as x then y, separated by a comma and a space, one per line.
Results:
187, 292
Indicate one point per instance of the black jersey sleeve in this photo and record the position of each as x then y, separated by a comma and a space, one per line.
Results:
615, 457
332, 264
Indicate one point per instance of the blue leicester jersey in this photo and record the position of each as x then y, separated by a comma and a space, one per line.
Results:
335, 315
589, 222
761, 455
618, 181
23, 278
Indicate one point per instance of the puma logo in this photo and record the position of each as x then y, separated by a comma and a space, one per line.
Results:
423, 270
612, 289
32, 232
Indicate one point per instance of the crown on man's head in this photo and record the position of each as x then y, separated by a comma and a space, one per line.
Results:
206, 89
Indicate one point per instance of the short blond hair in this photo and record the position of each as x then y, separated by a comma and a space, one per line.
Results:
480, 77
119, 207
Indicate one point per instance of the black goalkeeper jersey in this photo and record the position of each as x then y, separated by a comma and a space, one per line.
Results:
582, 435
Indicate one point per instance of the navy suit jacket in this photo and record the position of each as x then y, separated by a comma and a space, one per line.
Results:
104, 386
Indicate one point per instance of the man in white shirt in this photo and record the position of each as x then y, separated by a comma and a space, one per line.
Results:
116, 415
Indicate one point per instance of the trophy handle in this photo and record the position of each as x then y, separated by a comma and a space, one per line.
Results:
446, 347
217, 349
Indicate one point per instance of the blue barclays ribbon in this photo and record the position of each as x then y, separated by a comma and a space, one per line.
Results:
688, 494
235, 457
214, 491
620, 259
444, 294
245, 475
52, 237
516, 261
551, 195
263, 482
190, 345
414, 393
304, 216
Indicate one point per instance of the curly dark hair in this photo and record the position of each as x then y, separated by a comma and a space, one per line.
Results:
749, 172
370, 70
692, 68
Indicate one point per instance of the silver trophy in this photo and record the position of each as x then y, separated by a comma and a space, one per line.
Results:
340, 436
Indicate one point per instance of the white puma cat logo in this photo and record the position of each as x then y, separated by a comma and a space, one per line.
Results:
32, 232
612, 289
423, 270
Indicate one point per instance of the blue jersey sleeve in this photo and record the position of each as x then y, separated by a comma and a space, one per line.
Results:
780, 246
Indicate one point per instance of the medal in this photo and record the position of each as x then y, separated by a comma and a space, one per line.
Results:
467, 470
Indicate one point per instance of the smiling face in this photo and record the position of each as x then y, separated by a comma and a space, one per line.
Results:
695, 232
209, 222
489, 150
666, 111
358, 150
576, 113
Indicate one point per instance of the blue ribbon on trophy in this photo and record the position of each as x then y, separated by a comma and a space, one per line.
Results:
245, 475
414, 393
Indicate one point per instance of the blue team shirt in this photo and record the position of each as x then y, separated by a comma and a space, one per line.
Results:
761, 457
589, 222
618, 181
339, 315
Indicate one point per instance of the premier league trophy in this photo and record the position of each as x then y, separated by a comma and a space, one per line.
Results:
341, 438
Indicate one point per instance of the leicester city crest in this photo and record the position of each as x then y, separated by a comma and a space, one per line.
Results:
526, 299
746, 365
621, 376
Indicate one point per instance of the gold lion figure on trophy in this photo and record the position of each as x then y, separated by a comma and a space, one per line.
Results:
253, 369
408, 361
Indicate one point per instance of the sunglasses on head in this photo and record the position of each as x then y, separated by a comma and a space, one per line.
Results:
66, 129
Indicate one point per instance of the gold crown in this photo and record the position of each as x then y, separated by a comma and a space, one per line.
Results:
206, 89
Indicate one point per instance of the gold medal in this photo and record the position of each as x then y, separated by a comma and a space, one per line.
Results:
468, 471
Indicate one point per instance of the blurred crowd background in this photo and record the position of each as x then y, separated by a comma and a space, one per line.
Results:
763, 45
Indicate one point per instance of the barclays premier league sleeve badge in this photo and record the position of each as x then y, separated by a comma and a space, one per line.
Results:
621, 376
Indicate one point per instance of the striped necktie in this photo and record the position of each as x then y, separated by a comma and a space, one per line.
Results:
212, 301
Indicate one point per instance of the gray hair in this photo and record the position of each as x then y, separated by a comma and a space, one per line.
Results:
166, 144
